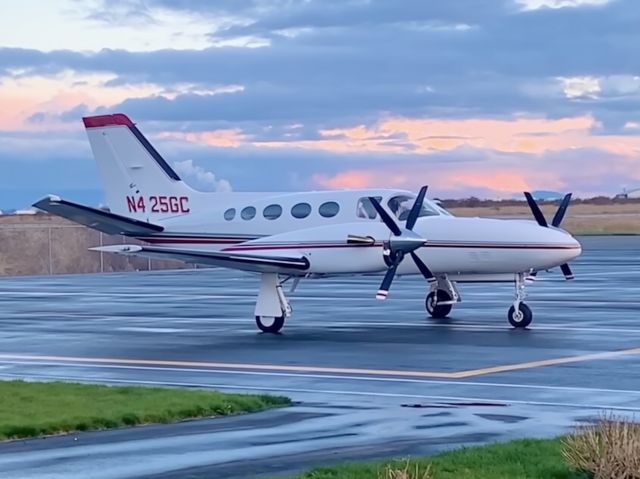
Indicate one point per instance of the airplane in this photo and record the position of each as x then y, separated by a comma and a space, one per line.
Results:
312, 234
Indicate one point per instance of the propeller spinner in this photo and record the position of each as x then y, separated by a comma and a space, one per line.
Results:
555, 222
404, 241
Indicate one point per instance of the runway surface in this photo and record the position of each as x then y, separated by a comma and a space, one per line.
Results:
371, 378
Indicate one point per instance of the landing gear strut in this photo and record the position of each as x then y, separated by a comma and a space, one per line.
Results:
441, 298
520, 315
272, 307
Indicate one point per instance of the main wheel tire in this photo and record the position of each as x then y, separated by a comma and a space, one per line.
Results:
521, 318
270, 324
438, 311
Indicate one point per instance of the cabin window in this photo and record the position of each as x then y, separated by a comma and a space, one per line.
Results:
401, 205
301, 210
248, 213
365, 208
272, 212
329, 209
230, 214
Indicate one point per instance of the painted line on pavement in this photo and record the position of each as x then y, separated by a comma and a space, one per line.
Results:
436, 382
328, 369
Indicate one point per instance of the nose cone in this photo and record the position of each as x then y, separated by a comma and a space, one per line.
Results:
567, 247
577, 247
574, 247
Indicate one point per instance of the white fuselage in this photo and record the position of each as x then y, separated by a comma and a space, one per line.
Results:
459, 247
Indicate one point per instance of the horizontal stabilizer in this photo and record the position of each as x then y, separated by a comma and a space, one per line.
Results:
100, 220
240, 261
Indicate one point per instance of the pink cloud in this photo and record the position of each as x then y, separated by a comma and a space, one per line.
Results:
225, 138
413, 135
522, 135
354, 179
424, 136
481, 177
512, 155
50, 96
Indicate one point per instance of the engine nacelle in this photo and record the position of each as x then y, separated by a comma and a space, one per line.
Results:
332, 249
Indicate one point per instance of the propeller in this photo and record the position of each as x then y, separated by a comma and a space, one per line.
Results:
402, 242
555, 223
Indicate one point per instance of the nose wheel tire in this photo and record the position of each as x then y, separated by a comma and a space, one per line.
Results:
520, 318
436, 310
270, 324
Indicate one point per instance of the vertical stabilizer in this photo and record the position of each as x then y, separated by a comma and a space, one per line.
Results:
138, 182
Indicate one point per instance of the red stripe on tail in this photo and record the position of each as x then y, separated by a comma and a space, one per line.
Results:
107, 120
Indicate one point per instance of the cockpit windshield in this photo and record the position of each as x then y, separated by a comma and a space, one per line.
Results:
436, 204
400, 206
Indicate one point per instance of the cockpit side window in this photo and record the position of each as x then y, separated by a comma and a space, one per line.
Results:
400, 206
365, 208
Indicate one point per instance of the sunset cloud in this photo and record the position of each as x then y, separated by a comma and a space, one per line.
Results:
424, 136
47, 97
520, 135
221, 138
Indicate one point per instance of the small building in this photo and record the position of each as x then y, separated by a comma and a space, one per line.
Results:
626, 193
26, 211
635, 193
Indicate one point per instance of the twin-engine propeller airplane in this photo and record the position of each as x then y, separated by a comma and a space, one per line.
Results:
290, 236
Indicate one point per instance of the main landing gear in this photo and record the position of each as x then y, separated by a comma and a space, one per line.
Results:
520, 315
272, 307
441, 298
444, 294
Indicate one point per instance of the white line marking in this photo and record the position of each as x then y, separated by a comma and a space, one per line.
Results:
328, 376
134, 329
452, 324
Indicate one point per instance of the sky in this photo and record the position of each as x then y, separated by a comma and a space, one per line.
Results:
483, 98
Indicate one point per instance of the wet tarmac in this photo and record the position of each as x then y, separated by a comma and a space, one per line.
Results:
370, 378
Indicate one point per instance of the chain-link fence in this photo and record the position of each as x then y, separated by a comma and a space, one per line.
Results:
43, 244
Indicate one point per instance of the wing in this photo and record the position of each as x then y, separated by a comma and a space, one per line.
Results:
104, 221
244, 262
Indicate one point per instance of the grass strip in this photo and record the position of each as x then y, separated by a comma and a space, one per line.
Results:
29, 409
520, 459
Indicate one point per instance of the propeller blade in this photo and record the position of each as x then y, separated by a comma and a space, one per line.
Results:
566, 270
395, 229
535, 209
424, 269
562, 209
415, 209
383, 292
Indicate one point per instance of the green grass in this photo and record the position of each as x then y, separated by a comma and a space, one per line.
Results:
521, 459
30, 409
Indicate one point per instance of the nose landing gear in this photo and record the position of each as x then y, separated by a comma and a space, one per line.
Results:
441, 298
438, 304
520, 315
